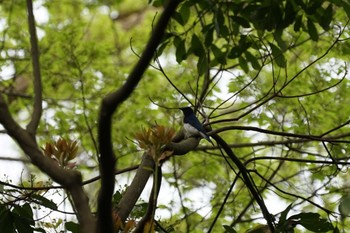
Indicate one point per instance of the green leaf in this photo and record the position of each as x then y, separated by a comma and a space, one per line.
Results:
22, 226
39, 230
219, 55
289, 15
315, 4
6, 220
23, 218
44, 201
184, 13
284, 214
298, 23
278, 55
284, 225
336, 230
197, 46
312, 30
25, 213
117, 197
313, 222
253, 60
202, 65
229, 229
344, 206
208, 32
219, 23
326, 18
156, 3
139, 210
243, 64
241, 21
346, 7
238, 50
72, 227
180, 53
259, 229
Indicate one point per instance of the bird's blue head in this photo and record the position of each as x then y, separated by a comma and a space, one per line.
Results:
187, 111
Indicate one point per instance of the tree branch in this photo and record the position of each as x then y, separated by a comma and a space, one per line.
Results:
37, 108
145, 169
70, 179
247, 180
136, 187
108, 106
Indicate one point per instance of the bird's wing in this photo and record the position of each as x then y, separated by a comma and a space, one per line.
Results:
195, 123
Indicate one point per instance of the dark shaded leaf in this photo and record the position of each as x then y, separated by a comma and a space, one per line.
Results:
117, 197
336, 230
219, 23
44, 201
241, 21
156, 3
260, 229
312, 30
39, 230
237, 51
180, 53
202, 65
344, 206
197, 46
290, 14
220, 56
284, 214
326, 18
243, 64
278, 55
6, 220
23, 218
25, 213
72, 227
315, 4
278, 37
253, 60
182, 15
346, 7
185, 13
313, 222
22, 226
229, 229
208, 32
161, 47
139, 210
298, 23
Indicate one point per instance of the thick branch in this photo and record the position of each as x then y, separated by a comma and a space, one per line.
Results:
147, 221
37, 108
136, 187
109, 105
145, 169
70, 179
81, 203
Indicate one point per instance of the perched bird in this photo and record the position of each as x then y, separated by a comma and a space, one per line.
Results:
192, 126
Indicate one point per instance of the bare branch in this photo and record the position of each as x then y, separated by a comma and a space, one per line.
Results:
37, 108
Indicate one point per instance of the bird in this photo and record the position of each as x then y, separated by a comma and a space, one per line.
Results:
192, 126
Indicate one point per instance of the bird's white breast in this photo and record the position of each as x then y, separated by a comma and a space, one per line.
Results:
190, 130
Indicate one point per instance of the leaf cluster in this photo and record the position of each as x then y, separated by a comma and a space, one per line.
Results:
62, 151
